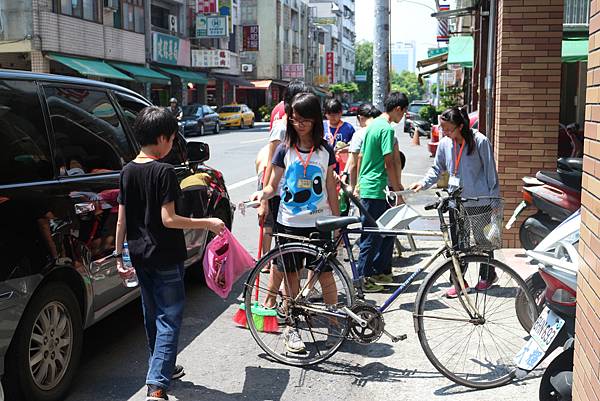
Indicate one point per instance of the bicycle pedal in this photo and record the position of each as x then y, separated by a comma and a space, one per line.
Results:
402, 337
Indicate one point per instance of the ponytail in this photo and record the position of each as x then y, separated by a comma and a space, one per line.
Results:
458, 117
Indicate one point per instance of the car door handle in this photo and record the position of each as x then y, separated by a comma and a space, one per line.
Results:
84, 208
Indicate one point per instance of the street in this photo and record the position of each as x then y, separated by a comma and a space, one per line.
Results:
222, 361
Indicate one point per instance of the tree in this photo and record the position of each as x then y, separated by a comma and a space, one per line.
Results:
407, 83
344, 88
364, 63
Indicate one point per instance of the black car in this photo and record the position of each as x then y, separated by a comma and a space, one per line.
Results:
199, 119
63, 142
414, 120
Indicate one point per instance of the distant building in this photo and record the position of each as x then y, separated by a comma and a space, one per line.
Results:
404, 56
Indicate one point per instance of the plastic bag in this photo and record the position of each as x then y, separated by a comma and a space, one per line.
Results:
225, 260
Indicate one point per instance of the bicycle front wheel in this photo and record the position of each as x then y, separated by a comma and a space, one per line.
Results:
474, 351
308, 303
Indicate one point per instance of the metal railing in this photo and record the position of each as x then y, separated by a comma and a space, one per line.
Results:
576, 14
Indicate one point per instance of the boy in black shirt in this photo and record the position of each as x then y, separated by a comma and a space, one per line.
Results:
148, 191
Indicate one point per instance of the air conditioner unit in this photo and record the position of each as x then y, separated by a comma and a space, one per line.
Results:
247, 67
172, 23
111, 4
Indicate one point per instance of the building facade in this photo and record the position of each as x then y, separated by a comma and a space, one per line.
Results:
403, 56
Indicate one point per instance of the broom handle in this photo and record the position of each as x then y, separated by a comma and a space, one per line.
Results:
260, 240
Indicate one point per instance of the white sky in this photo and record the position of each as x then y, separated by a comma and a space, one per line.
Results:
409, 21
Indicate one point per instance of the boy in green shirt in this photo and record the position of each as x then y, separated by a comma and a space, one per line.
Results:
376, 166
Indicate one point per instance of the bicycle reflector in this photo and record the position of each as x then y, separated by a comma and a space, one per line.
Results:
556, 291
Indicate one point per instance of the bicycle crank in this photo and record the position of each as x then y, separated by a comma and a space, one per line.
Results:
374, 327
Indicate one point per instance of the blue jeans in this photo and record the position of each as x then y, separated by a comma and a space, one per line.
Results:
162, 302
376, 251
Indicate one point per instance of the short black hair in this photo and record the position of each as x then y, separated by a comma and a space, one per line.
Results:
293, 88
153, 122
368, 110
333, 106
395, 99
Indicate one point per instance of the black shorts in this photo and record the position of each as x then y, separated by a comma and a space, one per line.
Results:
292, 262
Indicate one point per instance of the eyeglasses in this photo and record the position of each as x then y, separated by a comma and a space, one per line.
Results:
303, 123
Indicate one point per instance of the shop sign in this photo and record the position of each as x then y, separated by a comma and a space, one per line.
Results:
330, 66
325, 21
212, 26
204, 58
360, 76
436, 51
167, 49
250, 38
207, 6
292, 71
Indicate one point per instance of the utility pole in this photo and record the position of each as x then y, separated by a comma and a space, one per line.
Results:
148, 44
381, 52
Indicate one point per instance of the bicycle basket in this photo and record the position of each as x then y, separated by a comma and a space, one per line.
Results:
479, 224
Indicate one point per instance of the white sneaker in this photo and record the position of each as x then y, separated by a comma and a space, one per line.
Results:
293, 342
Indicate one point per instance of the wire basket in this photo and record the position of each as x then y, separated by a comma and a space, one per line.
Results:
479, 224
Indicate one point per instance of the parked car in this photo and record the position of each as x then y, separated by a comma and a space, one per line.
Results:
414, 120
345, 107
63, 142
199, 119
435, 132
236, 115
353, 109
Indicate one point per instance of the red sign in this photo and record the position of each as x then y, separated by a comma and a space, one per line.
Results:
329, 66
207, 6
250, 38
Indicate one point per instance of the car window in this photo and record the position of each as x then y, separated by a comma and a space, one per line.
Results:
130, 105
229, 109
207, 110
24, 149
415, 108
87, 131
192, 111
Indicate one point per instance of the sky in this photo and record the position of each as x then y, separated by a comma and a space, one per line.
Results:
409, 21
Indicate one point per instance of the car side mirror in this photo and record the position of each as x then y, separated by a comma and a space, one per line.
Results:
197, 152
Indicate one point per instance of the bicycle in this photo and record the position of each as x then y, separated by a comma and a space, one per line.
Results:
481, 314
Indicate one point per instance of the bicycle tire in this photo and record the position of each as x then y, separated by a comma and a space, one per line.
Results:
268, 342
428, 297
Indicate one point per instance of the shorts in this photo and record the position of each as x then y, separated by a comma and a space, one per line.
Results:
292, 262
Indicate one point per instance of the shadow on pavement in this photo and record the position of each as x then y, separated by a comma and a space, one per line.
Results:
455, 389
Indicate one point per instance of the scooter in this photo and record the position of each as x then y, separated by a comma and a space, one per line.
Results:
555, 327
556, 195
566, 232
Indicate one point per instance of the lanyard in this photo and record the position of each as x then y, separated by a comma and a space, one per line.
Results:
331, 142
457, 157
304, 162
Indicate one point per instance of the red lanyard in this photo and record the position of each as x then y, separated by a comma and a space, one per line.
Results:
335, 133
457, 157
304, 162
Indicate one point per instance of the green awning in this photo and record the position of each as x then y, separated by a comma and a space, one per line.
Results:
461, 50
574, 50
143, 74
89, 67
187, 76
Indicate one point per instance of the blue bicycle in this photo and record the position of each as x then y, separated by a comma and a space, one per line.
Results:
471, 338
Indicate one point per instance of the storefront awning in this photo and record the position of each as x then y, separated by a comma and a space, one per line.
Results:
89, 67
574, 50
440, 58
187, 76
142, 74
232, 79
425, 74
264, 85
461, 50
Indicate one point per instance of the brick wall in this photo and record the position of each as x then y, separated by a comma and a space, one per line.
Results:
527, 107
587, 339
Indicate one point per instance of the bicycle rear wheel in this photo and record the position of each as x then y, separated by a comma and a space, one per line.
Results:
476, 353
315, 315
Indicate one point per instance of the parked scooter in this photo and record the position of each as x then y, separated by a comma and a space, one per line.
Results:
566, 232
555, 327
556, 195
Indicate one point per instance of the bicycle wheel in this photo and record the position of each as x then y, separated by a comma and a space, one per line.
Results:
476, 353
315, 315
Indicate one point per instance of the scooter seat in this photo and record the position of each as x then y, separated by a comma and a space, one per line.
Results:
568, 164
327, 224
566, 181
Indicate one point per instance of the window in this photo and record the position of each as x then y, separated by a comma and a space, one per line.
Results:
207, 110
86, 9
130, 106
24, 149
133, 15
87, 131
160, 17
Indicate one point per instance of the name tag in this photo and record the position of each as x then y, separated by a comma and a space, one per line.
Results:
454, 181
304, 184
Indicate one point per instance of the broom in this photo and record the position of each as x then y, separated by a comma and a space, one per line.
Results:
265, 319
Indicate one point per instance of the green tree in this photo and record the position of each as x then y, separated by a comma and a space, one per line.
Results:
364, 62
344, 88
407, 83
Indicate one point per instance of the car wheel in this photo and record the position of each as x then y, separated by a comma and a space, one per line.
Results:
201, 130
217, 128
46, 347
242, 125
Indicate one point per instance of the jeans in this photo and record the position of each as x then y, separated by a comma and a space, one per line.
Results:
376, 251
162, 303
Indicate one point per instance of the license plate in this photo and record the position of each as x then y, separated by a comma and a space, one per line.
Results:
543, 333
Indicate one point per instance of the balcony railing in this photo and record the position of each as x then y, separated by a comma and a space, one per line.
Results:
576, 15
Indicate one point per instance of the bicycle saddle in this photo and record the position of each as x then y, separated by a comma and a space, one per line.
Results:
326, 224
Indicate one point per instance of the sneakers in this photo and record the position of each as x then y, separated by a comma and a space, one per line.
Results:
293, 342
370, 286
178, 372
483, 285
384, 278
156, 393
453, 292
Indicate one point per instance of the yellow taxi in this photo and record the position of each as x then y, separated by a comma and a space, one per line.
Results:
236, 115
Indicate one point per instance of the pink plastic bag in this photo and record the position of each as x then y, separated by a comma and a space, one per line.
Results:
225, 260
